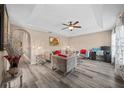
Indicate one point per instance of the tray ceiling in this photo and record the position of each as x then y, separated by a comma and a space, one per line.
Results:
49, 17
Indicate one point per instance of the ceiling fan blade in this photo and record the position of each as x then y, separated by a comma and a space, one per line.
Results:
65, 24
77, 26
76, 23
64, 28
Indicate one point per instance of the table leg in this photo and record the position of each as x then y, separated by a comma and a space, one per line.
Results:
21, 81
9, 84
5, 85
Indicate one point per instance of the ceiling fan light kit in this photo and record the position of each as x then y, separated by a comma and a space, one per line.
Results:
71, 28
71, 25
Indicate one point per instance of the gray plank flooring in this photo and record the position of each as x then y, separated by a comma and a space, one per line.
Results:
88, 74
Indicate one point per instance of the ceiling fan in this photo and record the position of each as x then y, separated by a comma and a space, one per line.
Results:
71, 25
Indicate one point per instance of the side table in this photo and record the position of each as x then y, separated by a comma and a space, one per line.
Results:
6, 83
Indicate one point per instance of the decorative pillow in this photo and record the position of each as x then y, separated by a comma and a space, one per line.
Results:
57, 52
83, 51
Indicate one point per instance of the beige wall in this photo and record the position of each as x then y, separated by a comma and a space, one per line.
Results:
93, 40
40, 38
89, 41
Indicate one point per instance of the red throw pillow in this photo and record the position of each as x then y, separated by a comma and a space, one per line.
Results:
62, 55
83, 51
57, 52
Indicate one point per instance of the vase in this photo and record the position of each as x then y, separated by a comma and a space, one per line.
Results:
13, 61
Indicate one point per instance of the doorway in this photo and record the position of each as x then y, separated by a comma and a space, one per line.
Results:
21, 41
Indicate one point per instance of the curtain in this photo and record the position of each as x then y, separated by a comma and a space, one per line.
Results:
119, 48
113, 46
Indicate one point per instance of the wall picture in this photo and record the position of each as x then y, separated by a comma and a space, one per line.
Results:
53, 41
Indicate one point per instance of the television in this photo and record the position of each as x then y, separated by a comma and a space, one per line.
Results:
1, 27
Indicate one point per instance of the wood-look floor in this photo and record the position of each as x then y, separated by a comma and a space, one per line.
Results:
88, 74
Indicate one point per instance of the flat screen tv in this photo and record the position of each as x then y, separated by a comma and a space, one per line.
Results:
1, 27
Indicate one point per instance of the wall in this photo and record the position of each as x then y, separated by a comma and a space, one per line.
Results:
40, 38
89, 41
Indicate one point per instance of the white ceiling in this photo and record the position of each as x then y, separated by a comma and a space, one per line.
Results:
49, 17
